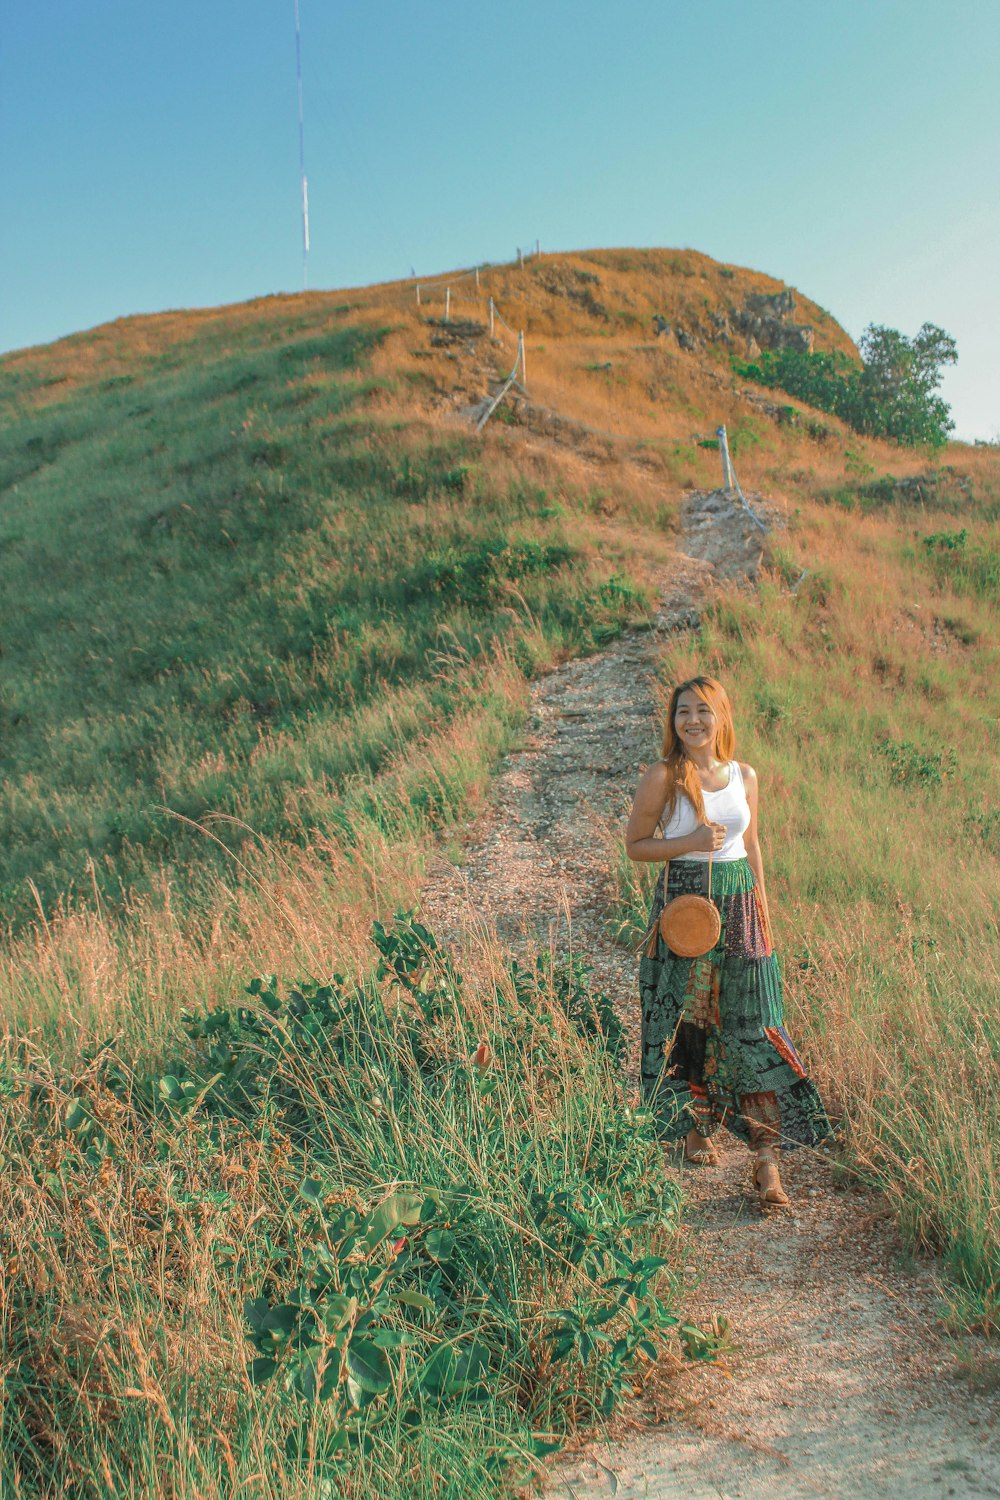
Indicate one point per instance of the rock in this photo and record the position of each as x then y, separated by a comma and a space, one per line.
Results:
765, 320
688, 341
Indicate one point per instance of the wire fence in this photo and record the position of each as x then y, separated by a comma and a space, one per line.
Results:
465, 287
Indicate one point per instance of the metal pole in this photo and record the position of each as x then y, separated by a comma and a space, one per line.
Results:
447, 304
728, 480
520, 258
302, 155
491, 317
520, 355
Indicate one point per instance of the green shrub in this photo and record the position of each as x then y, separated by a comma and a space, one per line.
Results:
893, 394
974, 570
909, 764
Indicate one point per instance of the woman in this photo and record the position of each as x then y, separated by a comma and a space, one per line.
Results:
714, 1047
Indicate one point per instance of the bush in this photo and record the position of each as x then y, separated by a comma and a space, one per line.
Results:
969, 570
908, 764
893, 394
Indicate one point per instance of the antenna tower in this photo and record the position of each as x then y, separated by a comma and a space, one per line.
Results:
302, 155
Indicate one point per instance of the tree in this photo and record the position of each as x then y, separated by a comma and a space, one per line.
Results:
897, 392
894, 394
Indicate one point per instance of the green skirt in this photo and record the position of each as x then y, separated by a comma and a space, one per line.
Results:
714, 1046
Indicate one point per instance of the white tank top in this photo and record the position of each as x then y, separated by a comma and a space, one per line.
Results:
729, 805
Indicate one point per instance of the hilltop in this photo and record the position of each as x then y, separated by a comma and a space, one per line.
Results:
229, 531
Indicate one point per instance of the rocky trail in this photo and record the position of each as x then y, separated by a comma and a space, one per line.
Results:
839, 1381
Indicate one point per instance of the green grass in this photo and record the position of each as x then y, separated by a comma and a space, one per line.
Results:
230, 590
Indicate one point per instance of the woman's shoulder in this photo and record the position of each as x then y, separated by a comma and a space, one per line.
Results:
656, 775
651, 794
747, 772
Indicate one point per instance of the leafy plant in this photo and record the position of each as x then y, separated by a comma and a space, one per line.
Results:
909, 764
946, 541
893, 394
568, 980
380, 1325
970, 569
857, 465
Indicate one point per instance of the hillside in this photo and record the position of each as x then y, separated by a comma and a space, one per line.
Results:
297, 1202
197, 490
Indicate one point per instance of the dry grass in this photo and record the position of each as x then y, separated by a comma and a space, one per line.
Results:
863, 675
653, 390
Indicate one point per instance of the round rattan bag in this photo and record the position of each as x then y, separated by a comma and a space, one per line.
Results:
690, 925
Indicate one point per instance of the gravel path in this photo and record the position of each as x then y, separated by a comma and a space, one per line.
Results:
840, 1382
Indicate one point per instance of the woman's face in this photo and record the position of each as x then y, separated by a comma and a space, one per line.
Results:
694, 722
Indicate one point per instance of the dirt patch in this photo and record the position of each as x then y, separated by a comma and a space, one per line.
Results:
840, 1383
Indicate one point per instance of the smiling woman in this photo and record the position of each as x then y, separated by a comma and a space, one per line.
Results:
714, 1047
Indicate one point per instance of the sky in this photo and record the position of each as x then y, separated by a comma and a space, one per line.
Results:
149, 154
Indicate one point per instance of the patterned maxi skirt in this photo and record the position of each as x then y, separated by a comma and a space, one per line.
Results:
714, 1047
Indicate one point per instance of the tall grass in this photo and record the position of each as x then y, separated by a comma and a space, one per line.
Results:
80, 975
863, 674
429, 1181
299, 638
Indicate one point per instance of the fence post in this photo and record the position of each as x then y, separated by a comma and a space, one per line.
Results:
447, 304
728, 482
418, 293
520, 355
491, 317
477, 278
520, 257
538, 247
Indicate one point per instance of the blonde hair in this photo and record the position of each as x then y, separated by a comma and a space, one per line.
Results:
681, 773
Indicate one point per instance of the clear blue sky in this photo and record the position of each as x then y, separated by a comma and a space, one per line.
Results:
149, 153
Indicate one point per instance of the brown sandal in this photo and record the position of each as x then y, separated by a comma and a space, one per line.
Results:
704, 1156
770, 1197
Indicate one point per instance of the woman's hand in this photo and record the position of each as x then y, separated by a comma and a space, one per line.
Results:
709, 836
645, 844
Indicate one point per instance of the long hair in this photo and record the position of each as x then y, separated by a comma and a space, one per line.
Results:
681, 774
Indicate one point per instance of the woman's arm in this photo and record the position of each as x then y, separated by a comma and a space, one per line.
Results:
751, 839
641, 843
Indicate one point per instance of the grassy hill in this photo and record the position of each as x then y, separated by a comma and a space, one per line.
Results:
271, 607
236, 589
254, 524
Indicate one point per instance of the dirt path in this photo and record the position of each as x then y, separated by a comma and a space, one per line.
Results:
842, 1384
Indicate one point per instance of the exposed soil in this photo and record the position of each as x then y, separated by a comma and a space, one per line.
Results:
840, 1382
